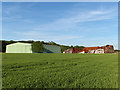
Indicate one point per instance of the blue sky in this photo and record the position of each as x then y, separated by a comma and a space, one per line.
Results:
70, 23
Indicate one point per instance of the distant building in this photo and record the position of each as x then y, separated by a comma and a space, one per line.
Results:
51, 49
27, 48
108, 49
93, 50
103, 49
19, 48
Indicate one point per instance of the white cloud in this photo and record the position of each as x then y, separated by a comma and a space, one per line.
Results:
101, 12
11, 13
34, 35
10, 9
51, 30
66, 24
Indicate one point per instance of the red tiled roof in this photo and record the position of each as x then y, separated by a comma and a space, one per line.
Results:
86, 49
91, 48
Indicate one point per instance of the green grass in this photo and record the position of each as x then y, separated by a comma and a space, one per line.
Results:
60, 70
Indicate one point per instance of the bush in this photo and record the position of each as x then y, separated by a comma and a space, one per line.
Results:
37, 47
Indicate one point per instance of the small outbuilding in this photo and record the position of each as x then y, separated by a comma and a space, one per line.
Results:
19, 48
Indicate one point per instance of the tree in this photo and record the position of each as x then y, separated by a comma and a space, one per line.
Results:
0, 46
63, 48
116, 50
42, 42
71, 46
79, 47
37, 47
76, 47
3, 45
52, 43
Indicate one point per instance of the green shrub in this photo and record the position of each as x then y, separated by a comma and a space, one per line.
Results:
37, 47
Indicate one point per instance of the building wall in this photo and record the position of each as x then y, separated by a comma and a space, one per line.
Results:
68, 51
91, 51
51, 49
99, 51
82, 52
19, 48
96, 51
72, 50
108, 49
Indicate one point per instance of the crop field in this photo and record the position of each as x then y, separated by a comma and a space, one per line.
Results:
59, 70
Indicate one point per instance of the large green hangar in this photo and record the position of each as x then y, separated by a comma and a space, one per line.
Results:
19, 48
27, 48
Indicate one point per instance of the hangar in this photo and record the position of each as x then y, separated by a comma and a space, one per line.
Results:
19, 48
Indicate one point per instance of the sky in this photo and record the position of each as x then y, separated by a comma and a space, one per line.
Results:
67, 23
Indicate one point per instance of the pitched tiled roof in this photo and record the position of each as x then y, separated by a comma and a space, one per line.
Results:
86, 49
91, 48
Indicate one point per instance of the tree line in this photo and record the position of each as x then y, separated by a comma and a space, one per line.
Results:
37, 46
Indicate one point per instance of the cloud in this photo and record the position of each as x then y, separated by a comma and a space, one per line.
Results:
61, 29
34, 35
66, 24
8, 10
12, 13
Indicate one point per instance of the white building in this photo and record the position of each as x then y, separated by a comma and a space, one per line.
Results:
99, 51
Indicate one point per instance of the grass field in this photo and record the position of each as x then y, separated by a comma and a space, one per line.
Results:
59, 70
